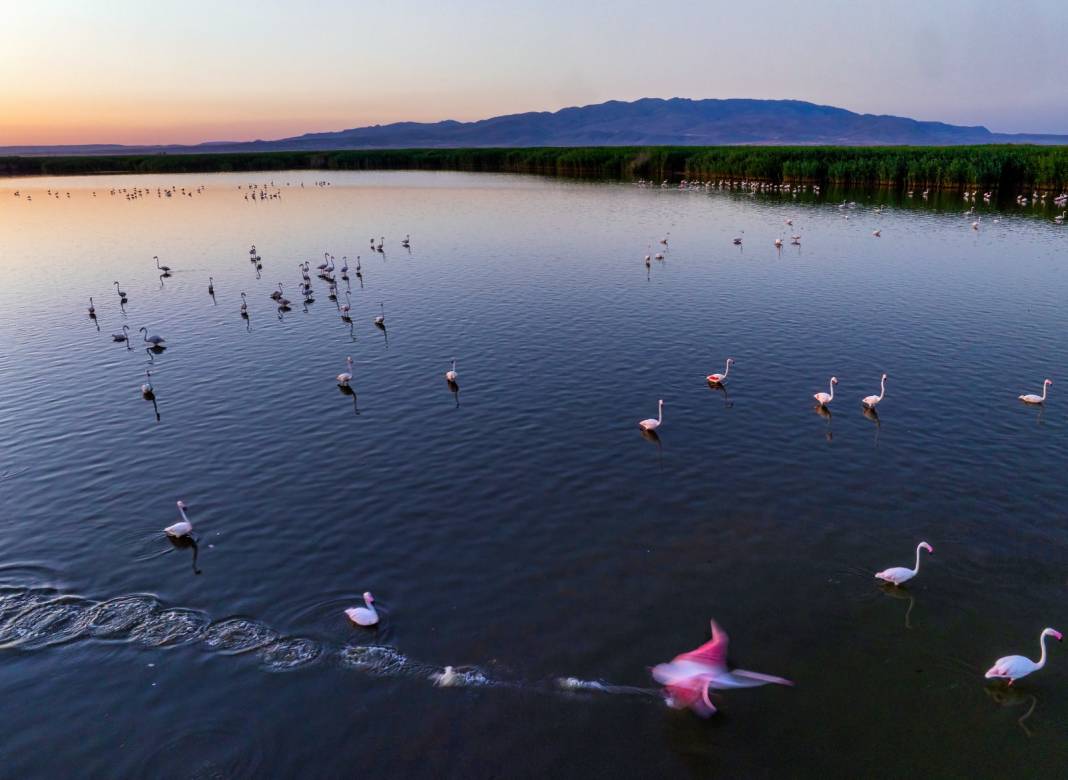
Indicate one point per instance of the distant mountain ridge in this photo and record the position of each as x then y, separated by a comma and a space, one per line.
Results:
644, 122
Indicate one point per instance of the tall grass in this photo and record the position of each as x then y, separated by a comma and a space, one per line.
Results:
986, 167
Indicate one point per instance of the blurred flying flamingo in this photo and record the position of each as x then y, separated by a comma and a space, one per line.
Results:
687, 678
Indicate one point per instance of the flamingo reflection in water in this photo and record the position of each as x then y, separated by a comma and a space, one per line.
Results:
689, 676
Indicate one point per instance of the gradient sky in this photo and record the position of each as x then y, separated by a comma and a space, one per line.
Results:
142, 71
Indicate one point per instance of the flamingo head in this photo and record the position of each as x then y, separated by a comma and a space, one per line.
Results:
834, 380
1048, 382
181, 505
1053, 633
661, 402
349, 360
927, 547
730, 361
368, 599
884, 377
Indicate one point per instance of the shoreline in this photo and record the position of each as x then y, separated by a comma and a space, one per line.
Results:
988, 168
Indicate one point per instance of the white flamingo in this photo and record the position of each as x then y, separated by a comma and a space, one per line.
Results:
1031, 398
366, 615
146, 388
345, 377
898, 575
451, 375
183, 527
1013, 667
380, 320
651, 424
871, 401
825, 398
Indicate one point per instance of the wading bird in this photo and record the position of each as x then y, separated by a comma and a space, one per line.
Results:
899, 575
1013, 667
366, 615
871, 401
1031, 398
651, 424
718, 379
183, 527
825, 398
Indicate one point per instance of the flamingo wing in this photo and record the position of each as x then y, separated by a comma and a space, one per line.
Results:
742, 678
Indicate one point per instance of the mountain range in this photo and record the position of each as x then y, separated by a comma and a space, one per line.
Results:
645, 122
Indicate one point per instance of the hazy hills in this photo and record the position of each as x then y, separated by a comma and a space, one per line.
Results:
645, 122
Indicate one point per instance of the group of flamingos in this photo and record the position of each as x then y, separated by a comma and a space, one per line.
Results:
823, 400
689, 677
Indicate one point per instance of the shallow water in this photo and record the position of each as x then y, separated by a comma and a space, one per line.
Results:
522, 530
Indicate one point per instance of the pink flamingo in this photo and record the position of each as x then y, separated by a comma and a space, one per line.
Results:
717, 379
688, 677
1013, 667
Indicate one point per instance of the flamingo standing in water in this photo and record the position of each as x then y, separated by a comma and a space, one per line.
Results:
380, 320
165, 268
825, 398
451, 375
1013, 667
244, 306
92, 308
899, 575
366, 615
1031, 398
146, 388
345, 377
871, 401
688, 677
717, 379
651, 424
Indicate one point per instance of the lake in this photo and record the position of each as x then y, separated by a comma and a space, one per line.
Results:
521, 528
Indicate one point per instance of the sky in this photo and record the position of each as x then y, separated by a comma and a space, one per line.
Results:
137, 72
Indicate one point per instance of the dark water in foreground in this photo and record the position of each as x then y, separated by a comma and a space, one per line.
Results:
524, 529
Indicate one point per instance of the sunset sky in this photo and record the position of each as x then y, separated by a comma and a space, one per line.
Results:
120, 71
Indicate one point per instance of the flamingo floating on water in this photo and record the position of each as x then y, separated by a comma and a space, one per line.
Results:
1031, 398
689, 676
717, 379
871, 401
651, 424
825, 398
182, 527
345, 377
899, 575
366, 615
1013, 667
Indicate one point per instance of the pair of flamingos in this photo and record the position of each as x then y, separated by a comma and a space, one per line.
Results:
713, 379
868, 402
1011, 667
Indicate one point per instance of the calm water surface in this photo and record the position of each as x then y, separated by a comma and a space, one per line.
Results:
523, 529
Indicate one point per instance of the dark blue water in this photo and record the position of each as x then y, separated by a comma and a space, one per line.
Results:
522, 528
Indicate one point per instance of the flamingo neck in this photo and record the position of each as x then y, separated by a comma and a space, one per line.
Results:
727, 370
882, 392
918, 548
659, 414
1045, 387
832, 391
1042, 658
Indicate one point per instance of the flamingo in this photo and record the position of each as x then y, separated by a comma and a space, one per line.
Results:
664, 240
211, 285
689, 676
899, 575
122, 295
92, 308
452, 376
1013, 667
651, 424
1031, 398
157, 342
380, 320
348, 303
183, 527
871, 401
778, 243
717, 379
244, 305
165, 268
825, 398
366, 615
406, 243
877, 233
146, 388
277, 294
737, 240
345, 377
124, 336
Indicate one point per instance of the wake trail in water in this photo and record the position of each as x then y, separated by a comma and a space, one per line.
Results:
35, 618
